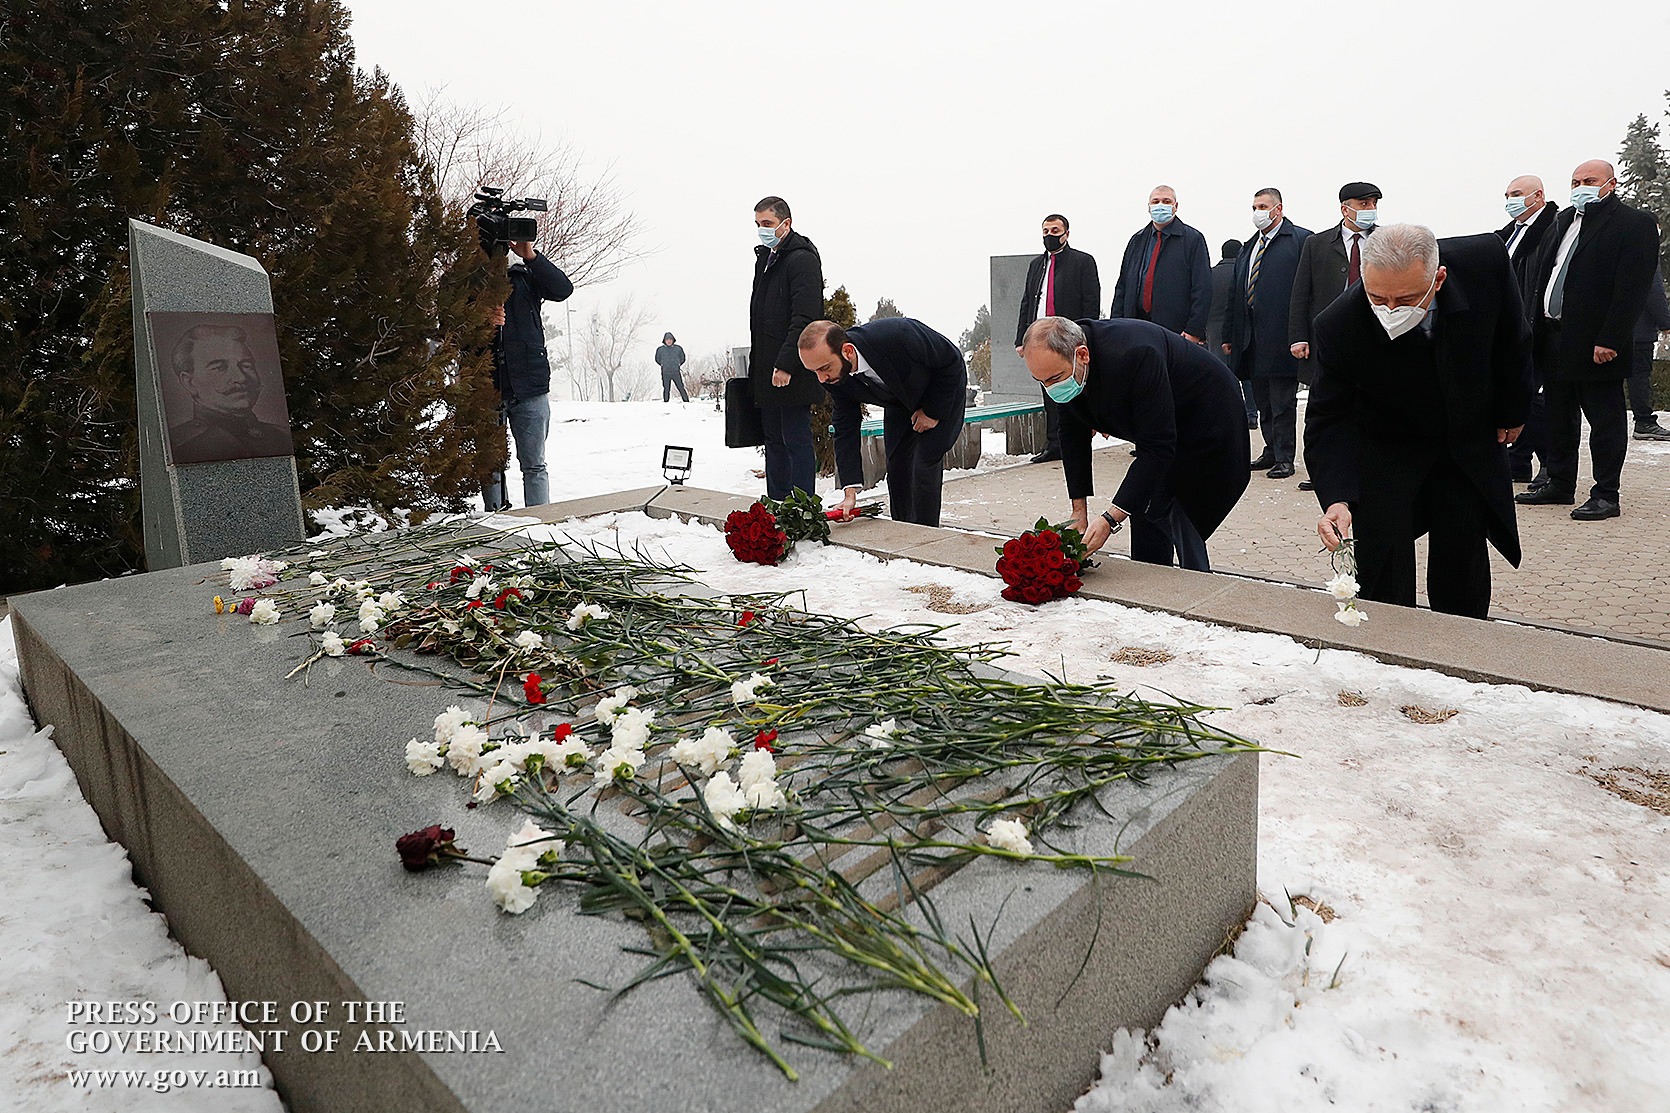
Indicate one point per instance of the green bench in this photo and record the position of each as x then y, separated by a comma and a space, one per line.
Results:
1022, 423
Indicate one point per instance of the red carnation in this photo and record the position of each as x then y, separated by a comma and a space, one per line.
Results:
764, 739
747, 617
562, 731
363, 646
462, 572
504, 596
531, 689
472, 604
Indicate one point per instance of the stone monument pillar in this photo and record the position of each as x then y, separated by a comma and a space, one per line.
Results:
217, 472
1012, 384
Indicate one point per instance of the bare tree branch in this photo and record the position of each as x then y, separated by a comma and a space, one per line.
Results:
609, 352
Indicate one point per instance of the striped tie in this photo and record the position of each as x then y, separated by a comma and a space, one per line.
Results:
1252, 271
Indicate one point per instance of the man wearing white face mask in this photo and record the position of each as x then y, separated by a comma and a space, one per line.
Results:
1424, 379
1592, 281
1531, 219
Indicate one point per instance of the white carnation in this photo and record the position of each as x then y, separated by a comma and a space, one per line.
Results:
530, 843
448, 722
570, 753
1343, 586
757, 767
230, 563
318, 579
706, 753
332, 644
501, 776
1350, 616
881, 734
744, 692
423, 758
528, 639
618, 761
585, 613
265, 613
609, 706
723, 798
464, 749
322, 615
504, 882
630, 728
391, 600
477, 586
1010, 835
764, 796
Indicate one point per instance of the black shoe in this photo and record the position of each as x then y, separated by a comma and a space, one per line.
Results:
1252, 423
1306, 485
1265, 460
1596, 510
1280, 471
1047, 455
1544, 496
1651, 431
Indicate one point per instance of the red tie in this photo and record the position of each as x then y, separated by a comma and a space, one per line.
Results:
1049, 292
1356, 270
1148, 282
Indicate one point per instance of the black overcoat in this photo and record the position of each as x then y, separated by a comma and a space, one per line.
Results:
1258, 340
788, 296
921, 369
1078, 288
1610, 271
1182, 279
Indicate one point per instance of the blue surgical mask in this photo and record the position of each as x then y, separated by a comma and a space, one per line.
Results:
1066, 390
1582, 195
1159, 214
769, 237
1517, 206
1365, 218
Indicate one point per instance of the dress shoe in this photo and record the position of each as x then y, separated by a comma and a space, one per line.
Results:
1651, 431
1543, 496
1596, 510
1252, 423
1047, 455
1265, 460
1280, 471
1306, 485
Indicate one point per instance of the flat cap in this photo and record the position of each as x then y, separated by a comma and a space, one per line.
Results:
1359, 191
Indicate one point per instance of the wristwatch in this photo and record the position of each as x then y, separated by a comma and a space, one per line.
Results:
1114, 524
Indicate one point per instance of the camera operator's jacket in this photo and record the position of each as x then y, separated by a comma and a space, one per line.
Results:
520, 367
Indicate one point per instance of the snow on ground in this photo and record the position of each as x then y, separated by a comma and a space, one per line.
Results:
75, 927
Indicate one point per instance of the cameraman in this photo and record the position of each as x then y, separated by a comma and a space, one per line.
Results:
522, 373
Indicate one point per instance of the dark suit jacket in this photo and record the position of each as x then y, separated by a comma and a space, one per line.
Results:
1078, 289
788, 296
1223, 278
1655, 315
1181, 408
1369, 403
1259, 339
921, 369
1524, 257
1611, 269
1324, 266
1182, 279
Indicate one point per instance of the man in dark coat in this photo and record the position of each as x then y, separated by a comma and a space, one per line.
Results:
1257, 328
1424, 378
1180, 407
1531, 215
522, 372
1223, 278
669, 356
1166, 276
1593, 276
788, 296
1062, 282
1654, 323
1328, 263
919, 379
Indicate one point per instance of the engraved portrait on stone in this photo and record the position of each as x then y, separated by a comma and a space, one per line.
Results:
222, 391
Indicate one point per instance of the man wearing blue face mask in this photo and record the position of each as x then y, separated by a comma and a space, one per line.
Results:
1531, 217
1175, 401
1423, 378
1167, 273
1592, 281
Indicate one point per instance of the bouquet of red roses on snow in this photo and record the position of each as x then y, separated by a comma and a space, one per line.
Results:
767, 531
1042, 564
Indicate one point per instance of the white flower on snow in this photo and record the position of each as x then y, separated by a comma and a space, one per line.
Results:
706, 753
528, 639
630, 728
318, 579
723, 798
322, 615
1343, 586
448, 722
584, 614
618, 761
1350, 616
477, 586
423, 758
744, 692
608, 707
464, 749
332, 644
265, 613
1010, 835
391, 601
499, 777
881, 734
504, 882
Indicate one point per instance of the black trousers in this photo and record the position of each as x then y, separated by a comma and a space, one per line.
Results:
1434, 498
1533, 439
1278, 411
1602, 402
790, 459
1157, 541
915, 472
669, 380
1641, 384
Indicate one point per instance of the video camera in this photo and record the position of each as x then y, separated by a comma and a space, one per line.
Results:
498, 228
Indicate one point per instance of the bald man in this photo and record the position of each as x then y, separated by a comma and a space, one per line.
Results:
1531, 215
1167, 273
1592, 281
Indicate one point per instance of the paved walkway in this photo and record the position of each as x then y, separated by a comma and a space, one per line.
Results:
1610, 578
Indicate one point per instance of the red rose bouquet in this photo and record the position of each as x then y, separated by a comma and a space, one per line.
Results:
754, 537
1042, 564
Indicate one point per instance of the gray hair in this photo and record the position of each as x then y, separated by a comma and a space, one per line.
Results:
1058, 334
1396, 247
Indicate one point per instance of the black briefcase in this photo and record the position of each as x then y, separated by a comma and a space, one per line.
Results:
742, 416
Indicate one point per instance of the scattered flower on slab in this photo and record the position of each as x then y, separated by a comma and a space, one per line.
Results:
756, 767
477, 586
505, 882
609, 706
448, 722
318, 579
245, 606
332, 644
744, 692
532, 690
764, 739
528, 639
723, 798
585, 613
500, 777
464, 750
631, 727
618, 762
706, 753
426, 847
423, 758
881, 734
321, 615
1010, 835
264, 613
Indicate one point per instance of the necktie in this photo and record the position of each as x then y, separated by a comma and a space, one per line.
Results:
1513, 238
1148, 280
1356, 270
1557, 296
1049, 289
1252, 270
